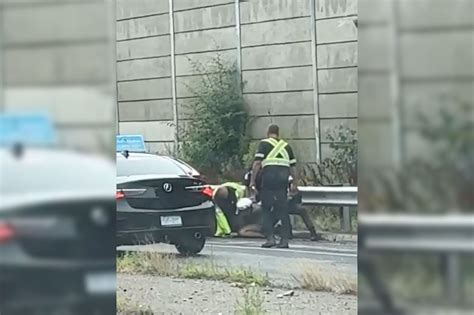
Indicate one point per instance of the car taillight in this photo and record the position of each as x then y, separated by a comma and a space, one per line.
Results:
7, 232
119, 195
208, 192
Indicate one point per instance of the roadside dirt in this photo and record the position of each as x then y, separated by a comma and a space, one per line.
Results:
164, 295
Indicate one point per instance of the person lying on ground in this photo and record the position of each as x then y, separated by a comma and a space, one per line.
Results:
246, 219
229, 216
294, 207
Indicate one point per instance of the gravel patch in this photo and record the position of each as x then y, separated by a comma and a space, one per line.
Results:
164, 295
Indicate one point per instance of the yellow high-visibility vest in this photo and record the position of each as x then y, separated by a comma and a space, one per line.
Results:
223, 227
239, 189
279, 148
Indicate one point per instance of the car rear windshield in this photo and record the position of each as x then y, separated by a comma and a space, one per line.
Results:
147, 166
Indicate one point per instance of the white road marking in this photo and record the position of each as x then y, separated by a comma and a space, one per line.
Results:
287, 250
291, 246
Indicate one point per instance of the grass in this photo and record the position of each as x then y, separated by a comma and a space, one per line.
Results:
148, 263
126, 307
312, 277
315, 278
211, 271
251, 302
167, 265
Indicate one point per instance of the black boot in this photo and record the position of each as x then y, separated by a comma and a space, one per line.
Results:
283, 243
314, 235
270, 242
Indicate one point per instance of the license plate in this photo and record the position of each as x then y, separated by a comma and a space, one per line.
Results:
171, 221
100, 282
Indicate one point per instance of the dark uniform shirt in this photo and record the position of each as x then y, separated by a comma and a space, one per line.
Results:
274, 177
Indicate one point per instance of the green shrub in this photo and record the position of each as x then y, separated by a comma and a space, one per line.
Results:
215, 138
341, 167
436, 181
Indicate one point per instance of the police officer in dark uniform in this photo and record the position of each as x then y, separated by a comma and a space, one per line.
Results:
276, 161
294, 206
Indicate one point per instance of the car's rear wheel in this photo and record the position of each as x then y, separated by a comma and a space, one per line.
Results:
191, 244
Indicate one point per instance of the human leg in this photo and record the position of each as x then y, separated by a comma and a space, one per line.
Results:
268, 201
281, 208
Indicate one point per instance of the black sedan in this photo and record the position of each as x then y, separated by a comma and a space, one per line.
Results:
161, 199
57, 233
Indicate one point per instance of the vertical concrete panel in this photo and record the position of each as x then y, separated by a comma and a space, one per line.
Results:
151, 130
375, 44
374, 11
143, 27
164, 148
194, 4
304, 150
291, 127
68, 105
337, 55
207, 40
287, 55
264, 10
336, 30
52, 65
144, 89
211, 17
23, 24
335, 8
288, 79
440, 13
286, 103
144, 48
338, 105
284, 31
452, 53
337, 80
133, 8
374, 98
185, 64
145, 110
144, 69
375, 144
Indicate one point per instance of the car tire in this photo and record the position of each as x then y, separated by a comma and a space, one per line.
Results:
191, 245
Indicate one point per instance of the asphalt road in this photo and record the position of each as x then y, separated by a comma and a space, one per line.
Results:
282, 266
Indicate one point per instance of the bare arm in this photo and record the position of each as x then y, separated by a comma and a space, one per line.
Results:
293, 170
256, 166
262, 151
294, 175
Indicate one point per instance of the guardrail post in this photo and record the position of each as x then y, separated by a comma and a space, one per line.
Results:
345, 216
452, 277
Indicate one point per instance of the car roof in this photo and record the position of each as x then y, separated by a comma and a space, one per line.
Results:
52, 172
183, 165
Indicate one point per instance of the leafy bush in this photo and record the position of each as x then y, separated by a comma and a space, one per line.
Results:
249, 157
341, 167
215, 138
437, 181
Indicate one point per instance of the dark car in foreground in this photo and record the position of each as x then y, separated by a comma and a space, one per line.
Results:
161, 199
57, 233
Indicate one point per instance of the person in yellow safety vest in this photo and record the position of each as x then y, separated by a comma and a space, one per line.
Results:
225, 197
276, 161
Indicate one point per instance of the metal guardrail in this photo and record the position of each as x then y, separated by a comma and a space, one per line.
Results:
343, 197
448, 236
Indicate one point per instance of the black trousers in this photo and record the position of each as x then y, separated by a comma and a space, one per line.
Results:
275, 206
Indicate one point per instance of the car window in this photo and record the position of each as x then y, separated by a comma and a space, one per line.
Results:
147, 166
